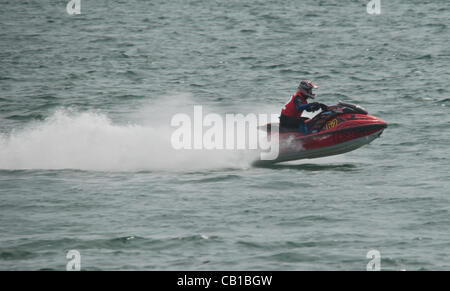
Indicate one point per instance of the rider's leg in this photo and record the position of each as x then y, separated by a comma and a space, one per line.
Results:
302, 125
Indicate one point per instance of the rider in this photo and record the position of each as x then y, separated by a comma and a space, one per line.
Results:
291, 113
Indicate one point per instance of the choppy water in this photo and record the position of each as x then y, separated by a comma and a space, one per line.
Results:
85, 109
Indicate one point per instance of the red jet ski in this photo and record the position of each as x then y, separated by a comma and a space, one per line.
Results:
337, 129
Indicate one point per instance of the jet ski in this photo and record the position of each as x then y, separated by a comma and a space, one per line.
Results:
335, 130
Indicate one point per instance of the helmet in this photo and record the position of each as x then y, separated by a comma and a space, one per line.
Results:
306, 88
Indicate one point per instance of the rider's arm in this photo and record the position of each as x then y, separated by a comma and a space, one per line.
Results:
303, 106
299, 105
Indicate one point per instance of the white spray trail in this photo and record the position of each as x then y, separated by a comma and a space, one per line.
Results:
91, 141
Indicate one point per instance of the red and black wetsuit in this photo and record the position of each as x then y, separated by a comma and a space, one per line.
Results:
291, 114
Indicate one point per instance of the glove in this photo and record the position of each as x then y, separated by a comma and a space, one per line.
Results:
313, 106
323, 107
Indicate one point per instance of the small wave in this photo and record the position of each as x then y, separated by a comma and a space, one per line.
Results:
248, 31
310, 14
291, 257
440, 26
103, 39
314, 167
4, 78
361, 79
130, 97
297, 72
247, 58
26, 117
16, 254
215, 179
424, 57
274, 66
270, 17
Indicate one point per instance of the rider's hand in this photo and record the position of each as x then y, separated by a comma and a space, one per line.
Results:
314, 106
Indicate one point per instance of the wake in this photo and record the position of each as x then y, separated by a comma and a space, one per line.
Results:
91, 141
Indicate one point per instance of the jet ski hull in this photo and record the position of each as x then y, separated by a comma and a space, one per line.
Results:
336, 133
320, 152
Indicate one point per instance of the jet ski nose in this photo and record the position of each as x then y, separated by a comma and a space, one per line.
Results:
383, 125
379, 128
379, 123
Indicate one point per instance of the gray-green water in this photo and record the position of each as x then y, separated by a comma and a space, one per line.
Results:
85, 109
